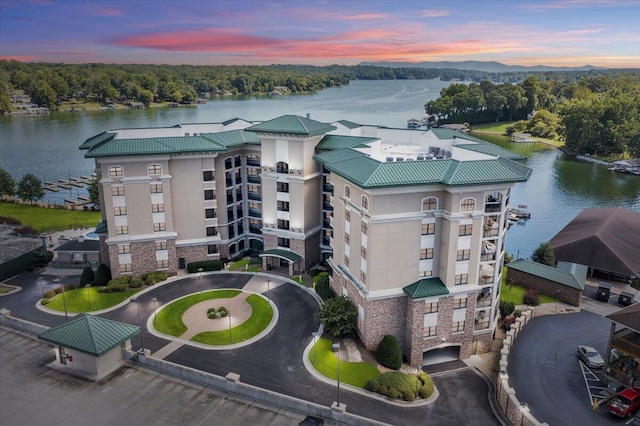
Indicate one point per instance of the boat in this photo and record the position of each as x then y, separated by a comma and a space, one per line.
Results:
519, 213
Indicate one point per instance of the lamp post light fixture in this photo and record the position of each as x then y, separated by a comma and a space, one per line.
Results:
154, 300
230, 336
136, 299
557, 299
89, 296
200, 272
268, 287
64, 298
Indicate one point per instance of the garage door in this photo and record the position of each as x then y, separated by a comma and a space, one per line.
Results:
436, 356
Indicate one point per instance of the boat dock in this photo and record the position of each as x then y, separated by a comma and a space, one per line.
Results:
519, 213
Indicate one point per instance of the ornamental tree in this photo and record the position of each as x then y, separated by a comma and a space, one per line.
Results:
338, 316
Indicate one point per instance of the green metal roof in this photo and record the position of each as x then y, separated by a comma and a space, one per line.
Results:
547, 272
236, 138
292, 125
282, 254
349, 124
426, 287
331, 142
162, 145
366, 172
101, 228
90, 334
94, 140
491, 149
446, 134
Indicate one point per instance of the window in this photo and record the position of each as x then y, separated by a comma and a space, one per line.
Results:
123, 249
237, 161
465, 230
207, 175
117, 191
467, 205
284, 242
212, 231
210, 213
209, 194
347, 191
426, 274
156, 188
458, 326
431, 307
430, 331
428, 228
364, 228
347, 216
282, 167
363, 277
212, 249
363, 252
347, 239
122, 230
282, 187
346, 260
161, 245
283, 206
159, 227
283, 224
154, 169
119, 211
125, 267
462, 279
426, 253
157, 208
115, 171
163, 264
365, 203
460, 303
430, 203
228, 163
463, 254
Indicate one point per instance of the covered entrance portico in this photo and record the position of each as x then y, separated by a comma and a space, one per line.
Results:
273, 258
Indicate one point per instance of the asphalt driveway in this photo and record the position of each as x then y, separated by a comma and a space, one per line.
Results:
544, 369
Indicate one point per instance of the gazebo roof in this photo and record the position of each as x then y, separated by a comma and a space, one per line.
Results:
90, 334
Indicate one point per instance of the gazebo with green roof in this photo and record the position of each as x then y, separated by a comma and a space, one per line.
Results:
89, 346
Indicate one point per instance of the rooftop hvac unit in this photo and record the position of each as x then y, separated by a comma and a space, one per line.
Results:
389, 159
400, 159
420, 158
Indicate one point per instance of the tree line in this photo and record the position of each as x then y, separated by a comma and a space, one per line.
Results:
597, 115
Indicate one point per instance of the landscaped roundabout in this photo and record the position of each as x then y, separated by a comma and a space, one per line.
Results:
216, 318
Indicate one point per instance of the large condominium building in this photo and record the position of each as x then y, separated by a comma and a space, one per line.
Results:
412, 223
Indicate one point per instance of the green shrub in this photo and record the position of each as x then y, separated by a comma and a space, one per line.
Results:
393, 393
426, 390
206, 265
102, 275
211, 310
222, 308
212, 315
87, 276
223, 314
136, 282
8, 220
323, 290
531, 297
45, 301
409, 395
123, 280
388, 352
338, 315
423, 377
49, 294
150, 278
506, 308
372, 385
58, 289
382, 390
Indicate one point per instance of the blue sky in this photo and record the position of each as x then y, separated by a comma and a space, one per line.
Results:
322, 32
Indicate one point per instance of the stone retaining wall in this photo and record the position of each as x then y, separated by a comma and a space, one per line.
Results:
516, 412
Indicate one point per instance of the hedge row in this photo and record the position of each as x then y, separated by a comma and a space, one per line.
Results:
124, 282
206, 265
397, 385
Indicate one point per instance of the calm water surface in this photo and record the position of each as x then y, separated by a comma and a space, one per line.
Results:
557, 191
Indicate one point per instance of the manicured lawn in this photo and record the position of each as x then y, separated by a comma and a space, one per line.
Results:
50, 220
500, 128
326, 363
241, 265
169, 319
78, 300
259, 320
515, 294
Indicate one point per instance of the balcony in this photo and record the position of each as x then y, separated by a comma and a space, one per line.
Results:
326, 241
255, 213
487, 257
255, 229
494, 207
481, 324
253, 179
229, 182
627, 341
254, 196
328, 188
251, 162
327, 224
327, 206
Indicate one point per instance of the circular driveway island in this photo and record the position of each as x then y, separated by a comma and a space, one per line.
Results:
545, 372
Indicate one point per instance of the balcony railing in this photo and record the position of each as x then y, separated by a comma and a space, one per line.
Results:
481, 324
488, 256
492, 207
253, 163
255, 229
628, 342
254, 196
326, 241
485, 301
253, 179
327, 187
327, 206
492, 232
326, 224
255, 213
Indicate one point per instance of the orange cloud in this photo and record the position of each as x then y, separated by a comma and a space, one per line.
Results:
19, 58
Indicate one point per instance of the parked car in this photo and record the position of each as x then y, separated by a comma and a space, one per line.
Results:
590, 356
625, 403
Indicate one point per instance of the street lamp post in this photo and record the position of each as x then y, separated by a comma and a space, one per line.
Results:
200, 271
137, 300
154, 300
315, 340
336, 348
89, 296
64, 298
557, 299
40, 280
268, 285
230, 337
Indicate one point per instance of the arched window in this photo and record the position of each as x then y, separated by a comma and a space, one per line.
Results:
282, 167
237, 161
347, 191
467, 205
365, 202
430, 203
154, 169
116, 171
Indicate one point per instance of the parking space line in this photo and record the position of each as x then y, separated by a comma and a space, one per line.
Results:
590, 376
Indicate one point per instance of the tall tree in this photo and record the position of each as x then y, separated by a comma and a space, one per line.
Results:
7, 183
94, 194
30, 188
544, 254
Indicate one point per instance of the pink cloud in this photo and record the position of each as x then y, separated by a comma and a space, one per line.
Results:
433, 13
362, 17
108, 12
19, 58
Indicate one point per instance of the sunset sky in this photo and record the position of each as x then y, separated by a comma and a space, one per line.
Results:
602, 33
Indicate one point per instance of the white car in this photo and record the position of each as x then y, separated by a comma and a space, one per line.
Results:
590, 356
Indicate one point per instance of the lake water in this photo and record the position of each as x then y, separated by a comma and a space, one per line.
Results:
558, 190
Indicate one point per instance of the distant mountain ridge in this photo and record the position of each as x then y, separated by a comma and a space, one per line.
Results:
486, 66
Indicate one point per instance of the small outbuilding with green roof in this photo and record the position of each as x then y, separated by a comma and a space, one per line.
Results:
565, 283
